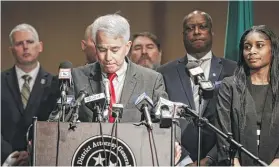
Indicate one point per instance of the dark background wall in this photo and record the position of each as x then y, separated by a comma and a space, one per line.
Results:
61, 25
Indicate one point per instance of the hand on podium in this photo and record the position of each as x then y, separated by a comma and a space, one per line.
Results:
177, 152
17, 158
204, 162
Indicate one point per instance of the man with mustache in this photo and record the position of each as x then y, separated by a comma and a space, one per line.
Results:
197, 38
146, 50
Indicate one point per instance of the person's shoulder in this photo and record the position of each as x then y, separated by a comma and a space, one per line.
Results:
144, 70
84, 69
168, 66
7, 71
228, 62
229, 81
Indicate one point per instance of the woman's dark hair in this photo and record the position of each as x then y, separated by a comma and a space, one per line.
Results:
243, 71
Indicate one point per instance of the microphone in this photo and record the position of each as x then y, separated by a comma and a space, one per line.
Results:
81, 96
107, 93
54, 115
65, 78
76, 105
185, 110
95, 100
199, 79
145, 104
164, 112
117, 110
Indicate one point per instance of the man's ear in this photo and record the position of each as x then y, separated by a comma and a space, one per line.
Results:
83, 45
41, 46
128, 47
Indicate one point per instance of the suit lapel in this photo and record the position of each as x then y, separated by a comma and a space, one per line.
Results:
95, 79
185, 80
214, 74
215, 69
129, 84
43, 79
12, 83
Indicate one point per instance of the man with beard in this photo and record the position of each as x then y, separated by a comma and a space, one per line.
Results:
88, 46
197, 38
146, 50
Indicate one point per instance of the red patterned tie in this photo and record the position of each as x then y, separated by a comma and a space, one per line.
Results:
112, 95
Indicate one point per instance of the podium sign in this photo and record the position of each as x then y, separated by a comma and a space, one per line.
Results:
86, 147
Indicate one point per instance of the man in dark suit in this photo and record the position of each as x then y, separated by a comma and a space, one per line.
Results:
26, 91
197, 37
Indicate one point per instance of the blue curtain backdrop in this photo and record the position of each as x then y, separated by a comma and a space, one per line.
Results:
240, 17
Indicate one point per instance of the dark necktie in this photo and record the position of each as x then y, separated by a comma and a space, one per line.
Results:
112, 95
25, 91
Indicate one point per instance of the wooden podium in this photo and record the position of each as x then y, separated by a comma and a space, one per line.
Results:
86, 147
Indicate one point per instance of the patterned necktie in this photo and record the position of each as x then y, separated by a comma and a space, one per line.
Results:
25, 91
199, 61
196, 87
112, 95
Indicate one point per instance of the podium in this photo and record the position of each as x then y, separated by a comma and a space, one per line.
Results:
84, 146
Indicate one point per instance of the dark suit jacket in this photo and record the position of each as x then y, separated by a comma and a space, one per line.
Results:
179, 89
231, 119
138, 80
14, 119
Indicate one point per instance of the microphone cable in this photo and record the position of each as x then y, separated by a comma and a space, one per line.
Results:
97, 118
114, 129
58, 139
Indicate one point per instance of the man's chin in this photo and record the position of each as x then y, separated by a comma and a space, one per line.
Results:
110, 69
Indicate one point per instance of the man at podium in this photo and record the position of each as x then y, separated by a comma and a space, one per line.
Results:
127, 80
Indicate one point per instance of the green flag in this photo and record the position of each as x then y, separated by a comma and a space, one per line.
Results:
240, 17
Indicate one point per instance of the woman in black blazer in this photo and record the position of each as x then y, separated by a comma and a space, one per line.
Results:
248, 102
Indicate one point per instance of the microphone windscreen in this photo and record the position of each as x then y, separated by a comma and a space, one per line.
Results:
66, 64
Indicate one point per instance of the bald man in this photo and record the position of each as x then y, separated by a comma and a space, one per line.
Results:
197, 37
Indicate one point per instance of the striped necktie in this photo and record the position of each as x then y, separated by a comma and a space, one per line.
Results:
195, 88
25, 91
199, 61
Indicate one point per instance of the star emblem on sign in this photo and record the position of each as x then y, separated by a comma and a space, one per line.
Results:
99, 160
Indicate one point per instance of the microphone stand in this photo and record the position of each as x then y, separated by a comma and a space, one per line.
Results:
147, 122
73, 123
199, 125
234, 145
114, 130
99, 119
63, 101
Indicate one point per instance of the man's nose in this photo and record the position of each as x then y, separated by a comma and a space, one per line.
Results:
25, 45
196, 30
144, 50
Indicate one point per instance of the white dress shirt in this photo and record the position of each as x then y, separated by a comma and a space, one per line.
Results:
205, 65
118, 81
33, 74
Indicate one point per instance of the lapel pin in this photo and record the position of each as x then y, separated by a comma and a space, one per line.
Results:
214, 75
43, 81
